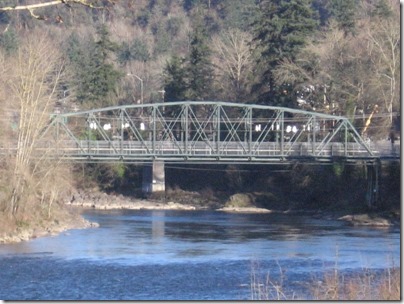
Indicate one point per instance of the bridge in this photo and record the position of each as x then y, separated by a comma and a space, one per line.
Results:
207, 132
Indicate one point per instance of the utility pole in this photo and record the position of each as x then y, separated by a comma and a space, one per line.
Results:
141, 86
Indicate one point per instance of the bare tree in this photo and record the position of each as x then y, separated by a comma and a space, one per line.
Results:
383, 37
354, 75
317, 72
31, 87
233, 59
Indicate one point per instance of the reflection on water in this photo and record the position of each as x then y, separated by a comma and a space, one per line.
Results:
157, 225
178, 255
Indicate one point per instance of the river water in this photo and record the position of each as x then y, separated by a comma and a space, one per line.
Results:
189, 255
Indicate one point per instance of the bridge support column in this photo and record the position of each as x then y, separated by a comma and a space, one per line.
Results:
373, 177
153, 177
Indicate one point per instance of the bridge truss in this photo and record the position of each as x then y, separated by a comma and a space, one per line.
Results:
203, 131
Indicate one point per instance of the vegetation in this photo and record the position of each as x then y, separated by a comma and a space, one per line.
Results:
338, 188
283, 27
31, 182
370, 285
339, 57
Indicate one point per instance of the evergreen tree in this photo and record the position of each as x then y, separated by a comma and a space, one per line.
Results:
173, 26
74, 48
321, 7
163, 40
78, 52
9, 41
124, 53
382, 10
95, 77
280, 32
175, 85
189, 4
190, 77
344, 12
138, 50
199, 69
238, 13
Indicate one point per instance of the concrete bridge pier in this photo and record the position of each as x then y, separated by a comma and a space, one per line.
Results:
153, 177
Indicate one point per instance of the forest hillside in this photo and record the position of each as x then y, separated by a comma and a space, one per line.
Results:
338, 57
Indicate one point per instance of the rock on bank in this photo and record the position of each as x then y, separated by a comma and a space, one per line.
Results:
104, 201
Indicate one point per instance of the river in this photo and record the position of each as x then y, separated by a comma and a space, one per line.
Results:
188, 255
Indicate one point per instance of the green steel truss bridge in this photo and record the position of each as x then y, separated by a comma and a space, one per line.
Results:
206, 132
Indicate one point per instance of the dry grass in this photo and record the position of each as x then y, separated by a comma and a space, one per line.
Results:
367, 285
268, 288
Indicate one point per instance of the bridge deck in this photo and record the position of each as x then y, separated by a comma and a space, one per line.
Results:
218, 152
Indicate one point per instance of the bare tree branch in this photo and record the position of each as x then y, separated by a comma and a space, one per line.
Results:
32, 7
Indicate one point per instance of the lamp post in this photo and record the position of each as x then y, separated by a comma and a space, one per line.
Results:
162, 94
162, 97
141, 85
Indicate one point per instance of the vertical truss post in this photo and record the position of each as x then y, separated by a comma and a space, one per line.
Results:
250, 139
346, 140
57, 134
186, 125
218, 110
122, 134
154, 138
282, 117
57, 127
88, 133
314, 135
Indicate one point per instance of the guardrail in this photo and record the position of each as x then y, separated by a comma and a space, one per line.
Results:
209, 151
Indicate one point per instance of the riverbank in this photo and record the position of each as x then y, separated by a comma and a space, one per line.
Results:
103, 201
71, 217
63, 219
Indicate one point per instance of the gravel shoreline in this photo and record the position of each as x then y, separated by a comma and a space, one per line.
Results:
132, 205
155, 205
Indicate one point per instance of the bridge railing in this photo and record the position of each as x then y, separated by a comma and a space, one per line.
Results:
170, 150
203, 150
385, 148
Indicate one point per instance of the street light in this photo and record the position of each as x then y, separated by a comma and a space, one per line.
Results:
162, 94
141, 85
